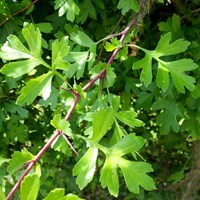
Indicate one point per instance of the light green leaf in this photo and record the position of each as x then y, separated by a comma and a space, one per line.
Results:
80, 59
2, 195
112, 45
135, 175
85, 167
71, 197
165, 49
69, 7
32, 35
34, 87
17, 69
82, 39
59, 50
128, 117
129, 144
57, 193
109, 176
18, 160
3, 160
126, 5
146, 64
30, 187
178, 69
102, 122
61, 124
13, 49
162, 77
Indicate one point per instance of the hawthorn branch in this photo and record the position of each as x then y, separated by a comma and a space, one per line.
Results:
102, 74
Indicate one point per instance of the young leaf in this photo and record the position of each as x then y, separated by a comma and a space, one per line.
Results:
102, 122
18, 159
126, 5
34, 87
59, 50
135, 175
85, 167
57, 193
30, 187
112, 45
59, 123
128, 117
109, 177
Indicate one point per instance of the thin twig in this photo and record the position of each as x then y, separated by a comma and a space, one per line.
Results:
19, 11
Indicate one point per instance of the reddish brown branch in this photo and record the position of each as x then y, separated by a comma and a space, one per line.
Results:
19, 11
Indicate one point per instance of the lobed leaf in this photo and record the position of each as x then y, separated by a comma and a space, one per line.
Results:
85, 167
59, 50
18, 160
34, 87
126, 5
135, 175
109, 177
129, 144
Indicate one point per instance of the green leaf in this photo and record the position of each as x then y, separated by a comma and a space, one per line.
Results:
18, 160
85, 13
80, 59
69, 7
30, 187
40, 85
110, 74
109, 177
71, 197
85, 167
57, 193
44, 27
126, 5
146, 64
82, 39
167, 118
176, 68
3, 160
13, 49
59, 50
129, 144
135, 175
2, 195
32, 35
61, 124
128, 118
102, 122
165, 49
